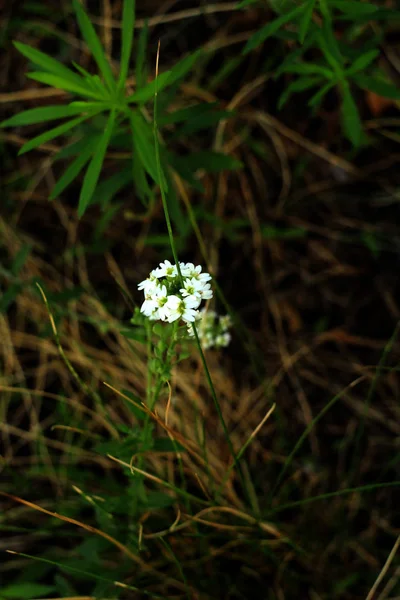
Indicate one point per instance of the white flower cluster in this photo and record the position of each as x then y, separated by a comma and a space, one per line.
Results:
167, 300
212, 329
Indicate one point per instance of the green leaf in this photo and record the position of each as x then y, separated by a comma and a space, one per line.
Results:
143, 144
26, 591
331, 51
94, 168
212, 162
93, 42
134, 405
128, 28
352, 126
45, 113
49, 64
186, 114
203, 121
354, 7
316, 99
301, 84
305, 68
140, 67
138, 173
165, 444
158, 500
265, 32
183, 67
305, 20
373, 84
51, 134
148, 91
63, 84
8, 297
108, 188
75, 167
362, 62
20, 259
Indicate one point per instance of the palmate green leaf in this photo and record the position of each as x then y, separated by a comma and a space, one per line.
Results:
378, 86
26, 591
75, 167
94, 168
52, 133
265, 32
304, 23
362, 62
49, 64
63, 84
128, 25
93, 42
143, 144
300, 85
351, 121
45, 113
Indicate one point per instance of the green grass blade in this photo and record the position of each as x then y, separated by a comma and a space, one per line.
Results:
90, 36
305, 20
143, 144
64, 84
45, 113
74, 169
362, 62
351, 121
147, 92
49, 64
128, 27
140, 67
265, 32
94, 168
51, 134
309, 427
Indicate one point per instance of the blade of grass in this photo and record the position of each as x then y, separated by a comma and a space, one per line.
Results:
51, 134
94, 168
63, 84
304, 435
45, 113
128, 27
90, 36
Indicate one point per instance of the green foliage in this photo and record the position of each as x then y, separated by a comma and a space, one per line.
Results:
335, 66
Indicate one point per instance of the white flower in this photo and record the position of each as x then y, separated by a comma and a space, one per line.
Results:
150, 309
223, 339
166, 269
192, 287
182, 308
161, 298
149, 285
206, 292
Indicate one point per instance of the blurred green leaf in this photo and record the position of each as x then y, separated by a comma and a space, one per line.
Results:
305, 20
265, 32
300, 85
354, 7
108, 188
26, 591
93, 42
20, 259
64, 84
49, 64
212, 162
140, 67
143, 143
373, 84
128, 28
94, 168
51, 134
362, 62
148, 91
45, 113
351, 121
165, 444
76, 166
